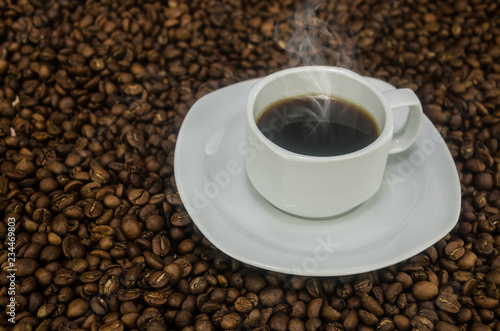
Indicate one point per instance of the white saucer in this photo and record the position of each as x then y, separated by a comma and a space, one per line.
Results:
418, 203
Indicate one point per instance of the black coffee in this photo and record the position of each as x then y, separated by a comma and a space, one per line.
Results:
318, 125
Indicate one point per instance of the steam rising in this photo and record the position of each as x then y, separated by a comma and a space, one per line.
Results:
315, 42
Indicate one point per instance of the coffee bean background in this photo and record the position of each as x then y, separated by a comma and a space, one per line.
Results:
92, 95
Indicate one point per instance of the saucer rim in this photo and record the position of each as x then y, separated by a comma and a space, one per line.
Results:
321, 272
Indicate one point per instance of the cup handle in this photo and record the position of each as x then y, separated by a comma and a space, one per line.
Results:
405, 97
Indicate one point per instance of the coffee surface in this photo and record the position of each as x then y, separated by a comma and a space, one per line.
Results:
318, 125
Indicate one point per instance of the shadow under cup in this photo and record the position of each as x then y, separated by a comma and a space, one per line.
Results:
317, 186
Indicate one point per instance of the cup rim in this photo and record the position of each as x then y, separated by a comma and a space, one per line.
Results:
385, 134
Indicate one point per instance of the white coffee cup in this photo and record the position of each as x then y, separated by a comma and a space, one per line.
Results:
323, 186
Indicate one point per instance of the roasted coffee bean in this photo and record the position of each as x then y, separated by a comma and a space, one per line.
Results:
254, 283
111, 326
315, 308
351, 320
424, 290
393, 291
99, 175
160, 245
130, 227
331, 315
48, 185
363, 285
314, 288
156, 299
72, 248
91, 276
485, 302
158, 279
385, 324
271, 296
448, 302
26, 267
128, 294
402, 322
93, 209
98, 305
15, 175
76, 308
198, 285
45, 310
279, 321
371, 305
102, 231
138, 196
454, 250
61, 201
243, 305
367, 317
65, 277
108, 285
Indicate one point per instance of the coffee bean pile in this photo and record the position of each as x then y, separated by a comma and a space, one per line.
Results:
92, 95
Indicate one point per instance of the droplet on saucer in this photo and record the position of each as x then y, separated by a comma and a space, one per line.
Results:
213, 143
